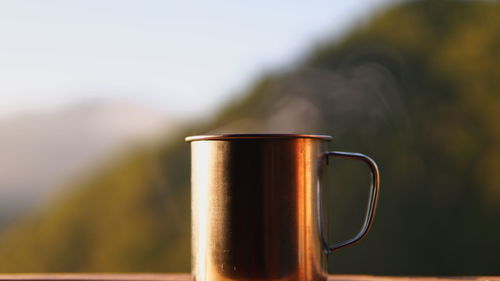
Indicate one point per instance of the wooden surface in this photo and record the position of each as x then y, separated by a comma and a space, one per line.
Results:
187, 277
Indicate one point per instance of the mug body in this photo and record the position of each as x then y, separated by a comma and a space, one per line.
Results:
255, 207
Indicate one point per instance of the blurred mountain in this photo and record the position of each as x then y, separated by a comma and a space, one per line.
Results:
42, 151
416, 88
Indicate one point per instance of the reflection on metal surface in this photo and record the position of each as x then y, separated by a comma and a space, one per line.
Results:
254, 207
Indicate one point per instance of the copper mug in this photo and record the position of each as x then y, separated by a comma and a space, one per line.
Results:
256, 206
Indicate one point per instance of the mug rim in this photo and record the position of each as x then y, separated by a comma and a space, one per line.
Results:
255, 136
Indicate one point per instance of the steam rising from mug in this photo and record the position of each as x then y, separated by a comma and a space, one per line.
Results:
356, 94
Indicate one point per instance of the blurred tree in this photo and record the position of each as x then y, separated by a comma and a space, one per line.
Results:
416, 88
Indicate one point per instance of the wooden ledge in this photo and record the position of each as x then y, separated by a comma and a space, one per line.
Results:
187, 277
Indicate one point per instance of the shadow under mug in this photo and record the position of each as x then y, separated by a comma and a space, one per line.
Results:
256, 206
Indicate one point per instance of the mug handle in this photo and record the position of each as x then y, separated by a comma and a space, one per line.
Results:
372, 201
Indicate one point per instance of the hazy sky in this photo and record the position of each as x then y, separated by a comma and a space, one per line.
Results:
179, 56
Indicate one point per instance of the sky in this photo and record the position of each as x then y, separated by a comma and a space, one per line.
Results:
183, 57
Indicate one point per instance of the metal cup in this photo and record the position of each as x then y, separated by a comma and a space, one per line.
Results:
256, 206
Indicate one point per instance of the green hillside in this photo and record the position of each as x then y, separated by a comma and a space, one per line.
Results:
417, 88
